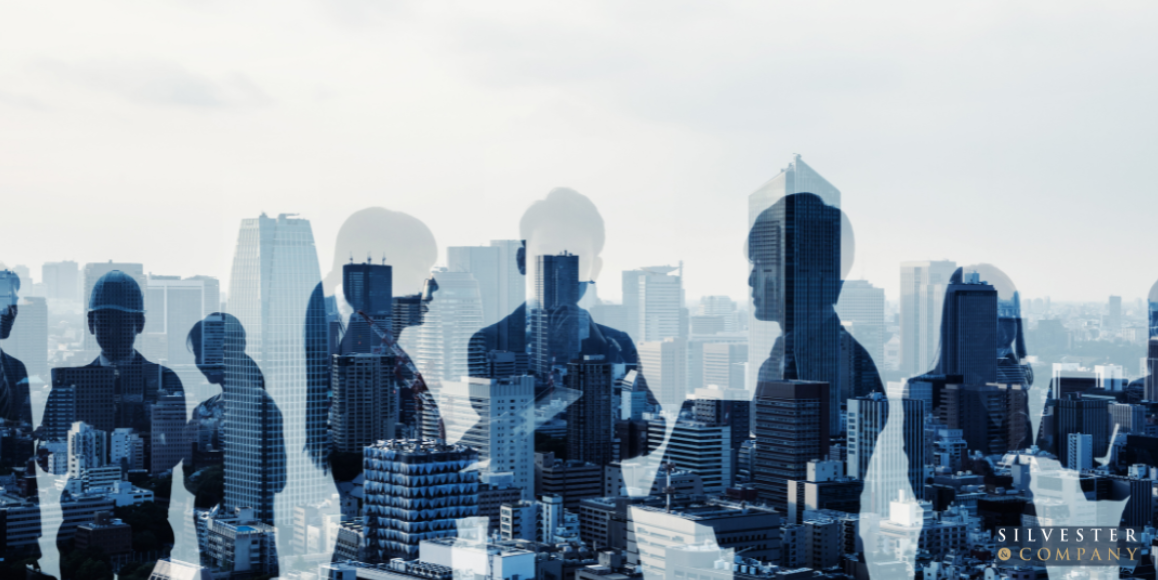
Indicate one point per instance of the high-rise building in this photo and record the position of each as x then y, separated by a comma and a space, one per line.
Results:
797, 177
365, 405
554, 339
862, 310
699, 447
1130, 419
128, 448
29, 339
1114, 316
495, 268
281, 344
445, 349
969, 330
172, 306
573, 480
416, 490
867, 418
495, 417
791, 430
664, 364
656, 303
87, 449
724, 365
369, 289
590, 423
1077, 414
991, 417
1079, 452
923, 287
93, 272
61, 280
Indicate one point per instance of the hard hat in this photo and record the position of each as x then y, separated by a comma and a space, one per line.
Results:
9, 285
116, 291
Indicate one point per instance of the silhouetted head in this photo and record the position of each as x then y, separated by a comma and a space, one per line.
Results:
1010, 338
799, 240
374, 232
116, 314
207, 341
565, 220
9, 289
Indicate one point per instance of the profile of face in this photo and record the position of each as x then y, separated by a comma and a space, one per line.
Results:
116, 331
766, 300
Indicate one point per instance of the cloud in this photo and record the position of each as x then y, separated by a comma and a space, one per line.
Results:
159, 83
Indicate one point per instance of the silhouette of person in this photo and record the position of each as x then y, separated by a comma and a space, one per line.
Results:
116, 315
14, 400
564, 222
253, 438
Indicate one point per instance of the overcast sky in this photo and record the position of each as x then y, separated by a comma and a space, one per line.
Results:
1021, 134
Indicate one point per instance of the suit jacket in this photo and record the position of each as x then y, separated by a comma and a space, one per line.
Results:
19, 405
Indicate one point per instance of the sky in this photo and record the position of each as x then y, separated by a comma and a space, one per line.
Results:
1020, 134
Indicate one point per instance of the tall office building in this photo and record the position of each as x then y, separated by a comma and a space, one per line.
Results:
800, 255
495, 417
699, 447
416, 490
1079, 451
365, 405
61, 280
93, 272
867, 418
796, 177
554, 339
923, 286
589, 419
445, 351
172, 306
791, 430
1077, 414
369, 289
969, 330
862, 309
1114, 316
1130, 419
664, 365
655, 306
495, 268
29, 339
88, 448
724, 365
991, 417
274, 292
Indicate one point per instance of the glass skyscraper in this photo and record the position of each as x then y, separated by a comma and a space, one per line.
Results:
274, 292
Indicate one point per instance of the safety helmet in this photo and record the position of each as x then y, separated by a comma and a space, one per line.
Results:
116, 290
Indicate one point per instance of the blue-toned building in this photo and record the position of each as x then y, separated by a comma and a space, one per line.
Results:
415, 491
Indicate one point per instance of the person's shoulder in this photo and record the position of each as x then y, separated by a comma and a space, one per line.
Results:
16, 365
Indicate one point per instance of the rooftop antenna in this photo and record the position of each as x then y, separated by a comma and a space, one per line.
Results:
351, 257
383, 258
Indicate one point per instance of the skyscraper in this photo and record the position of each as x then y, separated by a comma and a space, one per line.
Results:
495, 417
589, 419
445, 351
724, 365
495, 268
1114, 316
791, 430
365, 406
61, 280
173, 305
862, 310
552, 313
656, 303
867, 417
368, 288
969, 330
1077, 414
664, 365
274, 293
923, 287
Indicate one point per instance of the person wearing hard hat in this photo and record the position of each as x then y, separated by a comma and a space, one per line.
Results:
14, 403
